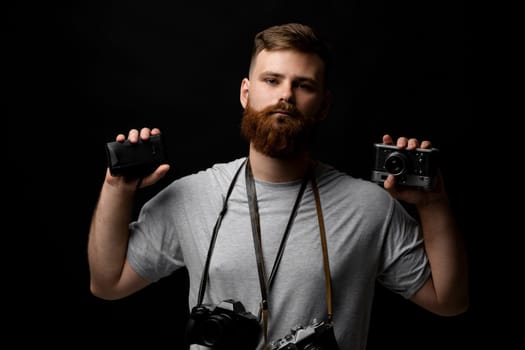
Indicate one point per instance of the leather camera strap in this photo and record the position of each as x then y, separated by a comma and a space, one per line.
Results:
326, 263
254, 215
256, 230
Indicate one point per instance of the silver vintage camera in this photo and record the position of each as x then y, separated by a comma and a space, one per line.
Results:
415, 168
318, 335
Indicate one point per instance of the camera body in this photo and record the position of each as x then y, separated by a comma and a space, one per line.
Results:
318, 335
416, 168
135, 160
226, 325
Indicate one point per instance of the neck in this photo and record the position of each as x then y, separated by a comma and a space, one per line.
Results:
270, 169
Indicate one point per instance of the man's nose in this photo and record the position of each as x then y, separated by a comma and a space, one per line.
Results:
287, 92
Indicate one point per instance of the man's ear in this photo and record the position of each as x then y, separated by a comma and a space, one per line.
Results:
245, 87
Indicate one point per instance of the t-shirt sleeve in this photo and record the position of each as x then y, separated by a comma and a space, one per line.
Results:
405, 264
154, 250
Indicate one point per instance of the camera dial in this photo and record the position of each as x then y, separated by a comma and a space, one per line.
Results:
396, 163
214, 329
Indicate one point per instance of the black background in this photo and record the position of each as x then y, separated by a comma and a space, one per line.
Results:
80, 73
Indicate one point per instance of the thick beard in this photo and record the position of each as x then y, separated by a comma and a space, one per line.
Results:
277, 136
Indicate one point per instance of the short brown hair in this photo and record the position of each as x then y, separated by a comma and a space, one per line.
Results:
292, 36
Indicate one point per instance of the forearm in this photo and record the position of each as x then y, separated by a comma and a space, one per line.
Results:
446, 252
108, 237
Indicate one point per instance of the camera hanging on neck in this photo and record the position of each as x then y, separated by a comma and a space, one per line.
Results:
201, 314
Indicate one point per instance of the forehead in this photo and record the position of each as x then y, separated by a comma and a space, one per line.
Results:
289, 63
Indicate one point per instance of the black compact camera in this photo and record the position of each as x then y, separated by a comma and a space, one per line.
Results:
318, 335
226, 325
413, 168
135, 160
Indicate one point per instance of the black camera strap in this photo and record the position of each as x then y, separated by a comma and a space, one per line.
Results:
204, 277
256, 229
254, 216
257, 240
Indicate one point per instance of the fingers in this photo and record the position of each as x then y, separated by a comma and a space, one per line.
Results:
426, 144
134, 134
405, 142
387, 140
402, 142
120, 138
152, 178
390, 182
146, 132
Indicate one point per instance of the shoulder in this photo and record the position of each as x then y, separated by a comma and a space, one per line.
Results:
339, 183
208, 184
216, 174
227, 169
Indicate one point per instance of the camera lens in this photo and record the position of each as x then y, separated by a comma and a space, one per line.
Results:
395, 163
215, 329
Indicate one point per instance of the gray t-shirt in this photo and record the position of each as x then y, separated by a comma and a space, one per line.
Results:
370, 238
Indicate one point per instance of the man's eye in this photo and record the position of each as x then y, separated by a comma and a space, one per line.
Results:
271, 81
306, 87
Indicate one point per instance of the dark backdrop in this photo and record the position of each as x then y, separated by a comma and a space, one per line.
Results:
80, 73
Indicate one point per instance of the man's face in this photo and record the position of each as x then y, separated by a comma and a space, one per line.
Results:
284, 100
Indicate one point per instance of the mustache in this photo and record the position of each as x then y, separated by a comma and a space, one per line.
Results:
283, 106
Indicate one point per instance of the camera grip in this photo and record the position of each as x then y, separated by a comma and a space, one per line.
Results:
134, 160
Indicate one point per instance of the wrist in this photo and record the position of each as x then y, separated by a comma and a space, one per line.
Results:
433, 203
119, 186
